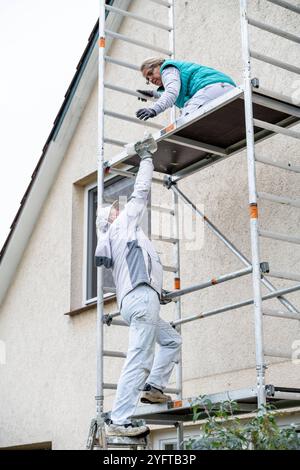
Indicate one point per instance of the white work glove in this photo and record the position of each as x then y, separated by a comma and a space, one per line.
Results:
146, 93
143, 148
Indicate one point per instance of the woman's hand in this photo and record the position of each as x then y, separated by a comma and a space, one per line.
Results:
146, 93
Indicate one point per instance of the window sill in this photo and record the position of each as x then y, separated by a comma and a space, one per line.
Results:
90, 306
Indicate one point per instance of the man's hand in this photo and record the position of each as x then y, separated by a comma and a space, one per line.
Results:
143, 148
146, 93
145, 113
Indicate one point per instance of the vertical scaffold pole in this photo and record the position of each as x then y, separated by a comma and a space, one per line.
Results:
100, 188
260, 365
179, 427
172, 46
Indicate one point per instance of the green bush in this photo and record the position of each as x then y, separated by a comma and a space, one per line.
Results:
223, 430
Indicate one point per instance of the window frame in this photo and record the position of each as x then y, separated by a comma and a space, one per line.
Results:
108, 295
172, 438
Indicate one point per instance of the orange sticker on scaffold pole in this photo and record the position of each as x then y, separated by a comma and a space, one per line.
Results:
253, 211
176, 283
177, 404
167, 129
102, 42
170, 127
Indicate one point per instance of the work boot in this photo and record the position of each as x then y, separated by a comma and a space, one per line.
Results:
152, 394
127, 430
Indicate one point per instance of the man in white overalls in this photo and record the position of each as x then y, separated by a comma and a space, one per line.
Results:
138, 274
184, 84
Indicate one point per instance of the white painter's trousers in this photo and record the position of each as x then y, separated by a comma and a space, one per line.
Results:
208, 93
140, 309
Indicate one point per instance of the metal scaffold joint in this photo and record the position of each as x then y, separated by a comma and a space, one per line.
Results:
164, 297
261, 367
143, 148
270, 390
106, 167
182, 137
255, 82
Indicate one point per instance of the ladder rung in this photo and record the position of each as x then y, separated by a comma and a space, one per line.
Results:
268, 161
125, 173
121, 37
170, 269
276, 129
164, 239
129, 174
124, 117
279, 236
277, 63
276, 313
118, 143
137, 18
280, 199
109, 386
287, 5
284, 275
164, 3
119, 323
114, 354
274, 30
128, 65
194, 144
277, 293
211, 282
277, 104
162, 209
274, 353
109, 290
112, 315
172, 390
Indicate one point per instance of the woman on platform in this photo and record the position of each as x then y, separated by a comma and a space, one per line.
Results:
184, 84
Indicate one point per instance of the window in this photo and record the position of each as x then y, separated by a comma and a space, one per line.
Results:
168, 445
35, 446
121, 189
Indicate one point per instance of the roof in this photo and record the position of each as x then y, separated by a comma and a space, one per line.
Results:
56, 125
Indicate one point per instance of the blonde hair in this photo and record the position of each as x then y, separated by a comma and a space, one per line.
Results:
151, 63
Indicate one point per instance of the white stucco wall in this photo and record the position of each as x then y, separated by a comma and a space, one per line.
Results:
48, 381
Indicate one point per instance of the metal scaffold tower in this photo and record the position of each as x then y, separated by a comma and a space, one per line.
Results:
243, 117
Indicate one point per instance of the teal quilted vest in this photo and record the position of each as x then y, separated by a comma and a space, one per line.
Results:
193, 78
